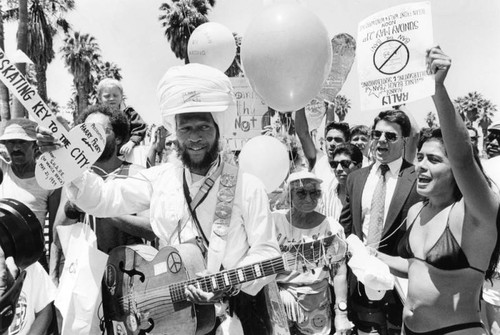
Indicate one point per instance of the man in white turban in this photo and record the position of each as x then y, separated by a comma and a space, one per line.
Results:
193, 99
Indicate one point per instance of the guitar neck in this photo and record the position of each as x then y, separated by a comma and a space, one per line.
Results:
224, 280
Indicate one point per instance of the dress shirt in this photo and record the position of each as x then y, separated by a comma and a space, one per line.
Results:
391, 178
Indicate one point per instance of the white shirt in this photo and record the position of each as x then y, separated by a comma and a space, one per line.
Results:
25, 190
331, 203
38, 291
288, 234
391, 179
251, 237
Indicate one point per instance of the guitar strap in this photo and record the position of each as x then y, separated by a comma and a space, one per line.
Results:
198, 199
222, 217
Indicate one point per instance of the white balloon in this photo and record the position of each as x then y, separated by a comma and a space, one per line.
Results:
266, 158
212, 44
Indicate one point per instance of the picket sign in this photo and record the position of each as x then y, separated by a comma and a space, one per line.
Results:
81, 146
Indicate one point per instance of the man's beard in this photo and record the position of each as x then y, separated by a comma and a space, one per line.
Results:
108, 152
205, 163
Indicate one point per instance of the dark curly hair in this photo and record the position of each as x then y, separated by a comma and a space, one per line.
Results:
118, 120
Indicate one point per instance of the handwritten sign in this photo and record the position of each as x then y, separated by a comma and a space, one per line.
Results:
80, 147
245, 121
391, 46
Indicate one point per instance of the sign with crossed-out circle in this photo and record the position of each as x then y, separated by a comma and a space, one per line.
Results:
174, 262
391, 57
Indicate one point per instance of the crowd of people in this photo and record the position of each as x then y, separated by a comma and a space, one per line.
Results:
432, 218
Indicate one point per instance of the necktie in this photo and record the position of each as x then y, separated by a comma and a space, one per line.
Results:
377, 210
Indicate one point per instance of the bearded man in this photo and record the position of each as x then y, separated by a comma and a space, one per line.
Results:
184, 205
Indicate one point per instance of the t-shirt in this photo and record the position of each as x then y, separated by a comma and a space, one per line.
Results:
38, 291
26, 191
288, 234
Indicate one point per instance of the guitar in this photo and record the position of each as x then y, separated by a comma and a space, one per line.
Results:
143, 289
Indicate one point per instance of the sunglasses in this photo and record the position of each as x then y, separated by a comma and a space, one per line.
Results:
346, 163
336, 139
302, 194
493, 136
389, 135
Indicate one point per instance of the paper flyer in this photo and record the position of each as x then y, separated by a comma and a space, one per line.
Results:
391, 47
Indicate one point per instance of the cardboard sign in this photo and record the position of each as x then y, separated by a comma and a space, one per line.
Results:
81, 147
245, 121
391, 46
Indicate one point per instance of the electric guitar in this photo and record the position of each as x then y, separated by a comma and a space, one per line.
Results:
143, 289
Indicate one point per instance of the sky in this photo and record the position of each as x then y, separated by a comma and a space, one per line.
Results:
130, 35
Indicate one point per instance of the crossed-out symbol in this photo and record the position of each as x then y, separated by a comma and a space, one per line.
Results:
174, 262
391, 57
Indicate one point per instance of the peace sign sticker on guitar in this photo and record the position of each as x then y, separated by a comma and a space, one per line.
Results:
174, 262
81, 146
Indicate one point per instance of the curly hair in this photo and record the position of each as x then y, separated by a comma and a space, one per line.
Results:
118, 120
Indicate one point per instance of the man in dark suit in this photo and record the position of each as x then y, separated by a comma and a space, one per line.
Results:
378, 199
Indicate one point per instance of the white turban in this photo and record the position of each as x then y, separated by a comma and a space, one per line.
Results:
194, 88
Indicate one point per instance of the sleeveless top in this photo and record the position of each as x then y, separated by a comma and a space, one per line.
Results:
445, 254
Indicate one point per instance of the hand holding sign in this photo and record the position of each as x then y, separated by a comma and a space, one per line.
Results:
80, 148
55, 168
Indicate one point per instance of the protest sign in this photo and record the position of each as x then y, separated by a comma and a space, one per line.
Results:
80, 147
245, 121
392, 48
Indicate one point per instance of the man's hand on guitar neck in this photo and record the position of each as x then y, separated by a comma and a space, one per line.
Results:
200, 297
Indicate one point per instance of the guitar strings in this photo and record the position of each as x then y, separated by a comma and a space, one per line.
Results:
152, 294
234, 275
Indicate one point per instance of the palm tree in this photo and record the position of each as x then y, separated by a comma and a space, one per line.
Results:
431, 120
475, 108
339, 107
4, 92
18, 110
180, 18
80, 53
45, 18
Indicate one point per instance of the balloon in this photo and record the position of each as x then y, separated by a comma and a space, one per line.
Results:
212, 44
266, 158
286, 56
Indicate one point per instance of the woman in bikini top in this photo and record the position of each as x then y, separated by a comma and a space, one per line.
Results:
451, 244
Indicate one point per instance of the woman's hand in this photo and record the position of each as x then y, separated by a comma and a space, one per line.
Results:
438, 63
342, 324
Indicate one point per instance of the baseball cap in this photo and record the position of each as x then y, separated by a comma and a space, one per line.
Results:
19, 129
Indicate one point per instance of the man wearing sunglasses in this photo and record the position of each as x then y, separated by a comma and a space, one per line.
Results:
378, 199
335, 133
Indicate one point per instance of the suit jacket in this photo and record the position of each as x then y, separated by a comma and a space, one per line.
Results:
405, 195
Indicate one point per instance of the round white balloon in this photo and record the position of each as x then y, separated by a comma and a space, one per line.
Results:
212, 44
266, 158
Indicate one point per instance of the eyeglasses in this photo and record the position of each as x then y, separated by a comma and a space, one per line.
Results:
389, 135
302, 193
336, 139
346, 163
